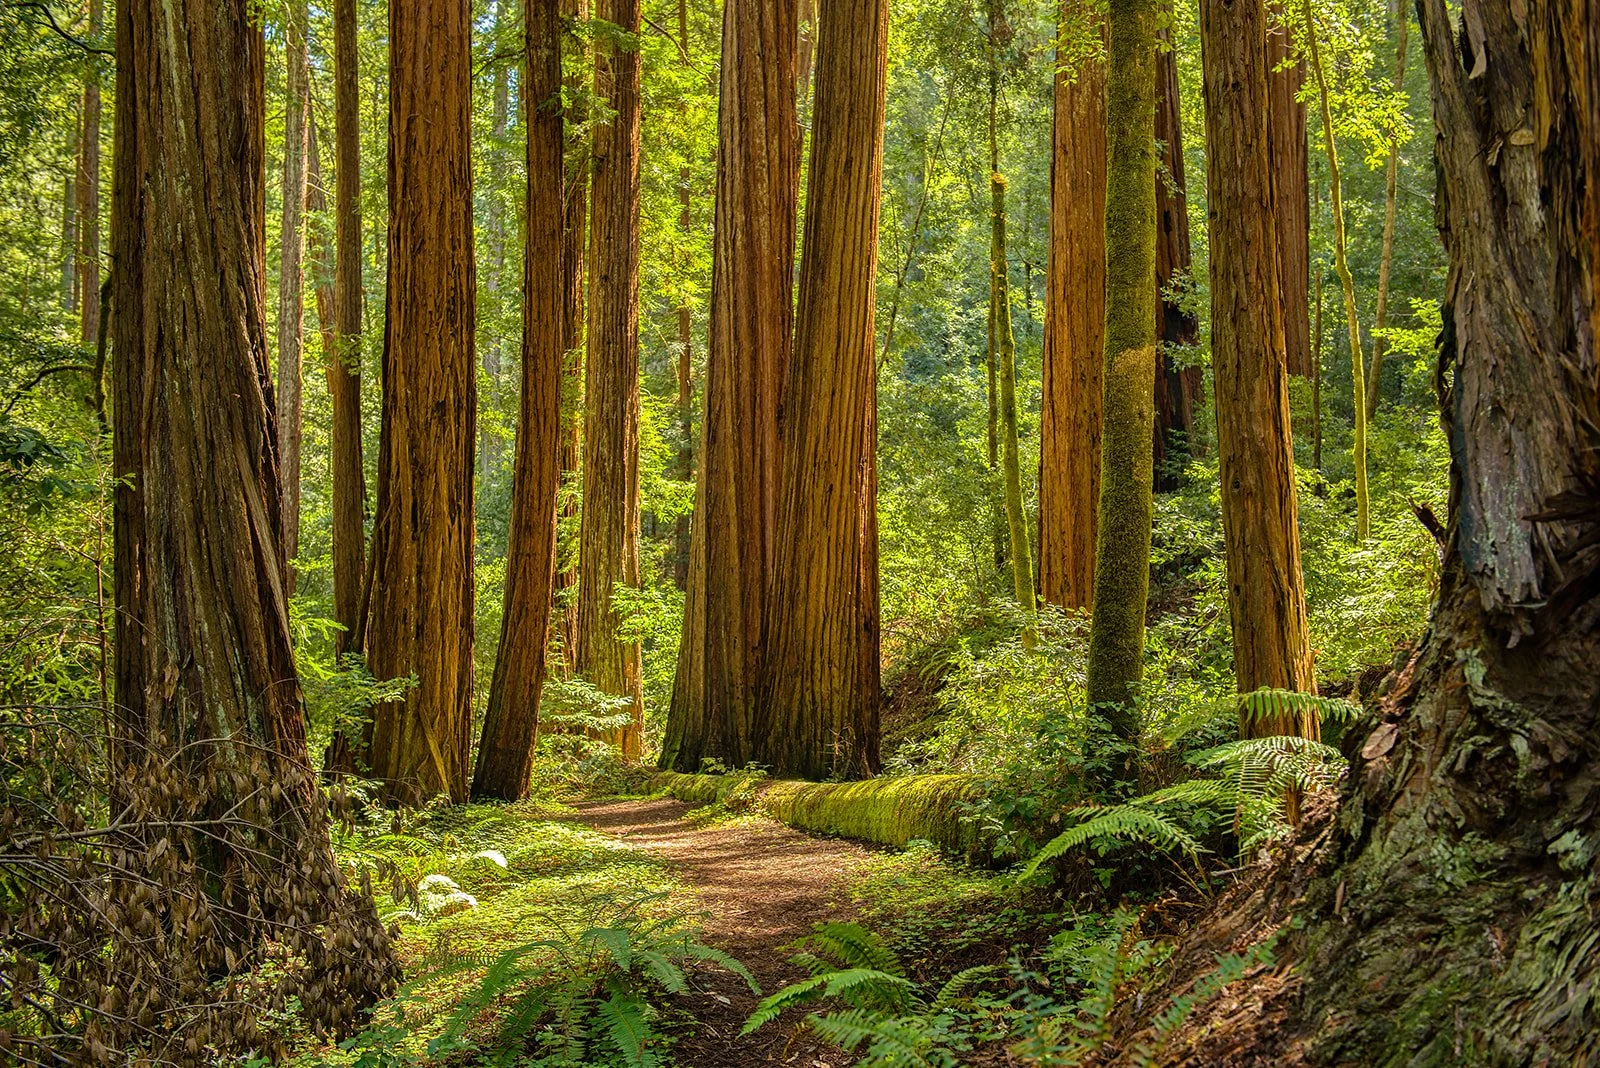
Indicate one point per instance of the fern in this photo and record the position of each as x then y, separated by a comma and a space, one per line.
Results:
1131, 822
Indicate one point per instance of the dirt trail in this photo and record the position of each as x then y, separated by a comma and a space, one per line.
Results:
763, 885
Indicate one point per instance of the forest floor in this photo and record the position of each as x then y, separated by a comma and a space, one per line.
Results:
761, 886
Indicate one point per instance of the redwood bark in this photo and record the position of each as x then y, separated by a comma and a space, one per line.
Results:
344, 361
291, 276
422, 592
205, 677
1452, 860
319, 252
608, 551
1178, 388
680, 533
818, 710
574, 243
511, 721
88, 207
1266, 594
734, 540
1074, 332
1290, 177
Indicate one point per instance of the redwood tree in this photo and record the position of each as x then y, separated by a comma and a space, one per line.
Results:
608, 551
734, 537
511, 722
1178, 387
1074, 329
209, 710
344, 362
422, 594
1456, 923
291, 273
818, 710
1266, 594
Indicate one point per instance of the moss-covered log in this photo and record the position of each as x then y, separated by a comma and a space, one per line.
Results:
889, 812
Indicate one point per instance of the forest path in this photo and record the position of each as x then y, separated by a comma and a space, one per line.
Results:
763, 885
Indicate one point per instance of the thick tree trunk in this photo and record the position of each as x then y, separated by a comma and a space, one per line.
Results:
88, 207
736, 496
291, 276
209, 709
574, 244
422, 591
344, 362
1178, 388
1266, 595
1074, 332
818, 710
1122, 550
1286, 136
680, 533
511, 722
608, 550
1457, 924
1391, 191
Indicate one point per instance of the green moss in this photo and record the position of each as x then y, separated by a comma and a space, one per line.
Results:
890, 812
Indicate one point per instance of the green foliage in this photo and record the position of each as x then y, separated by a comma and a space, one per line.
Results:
887, 1017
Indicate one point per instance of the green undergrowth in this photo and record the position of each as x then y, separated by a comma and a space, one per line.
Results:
511, 891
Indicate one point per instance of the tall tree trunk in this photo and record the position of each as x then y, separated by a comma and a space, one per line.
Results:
88, 208
1456, 861
734, 540
685, 472
1266, 595
818, 710
608, 551
1178, 388
320, 254
1316, 383
991, 352
1122, 551
344, 362
574, 243
1074, 332
1286, 136
489, 449
1011, 460
511, 722
291, 276
422, 592
1341, 264
1391, 190
209, 709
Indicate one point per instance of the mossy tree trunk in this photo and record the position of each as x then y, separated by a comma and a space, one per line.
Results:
608, 552
422, 582
1178, 387
1290, 177
1456, 925
817, 713
1266, 594
1074, 329
87, 210
734, 540
1122, 551
291, 274
1006, 354
1341, 264
511, 720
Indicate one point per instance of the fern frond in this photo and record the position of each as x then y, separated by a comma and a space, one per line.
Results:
616, 941
852, 946
1206, 793
628, 1029
772, 1006
1272, 704
713, 955
1127, 822
957, 983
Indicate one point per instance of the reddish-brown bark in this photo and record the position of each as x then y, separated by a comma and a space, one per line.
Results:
1178, 388
421, 621
1074, 332
1286, 135
511, 721
817, 713
736, 494
608, 551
